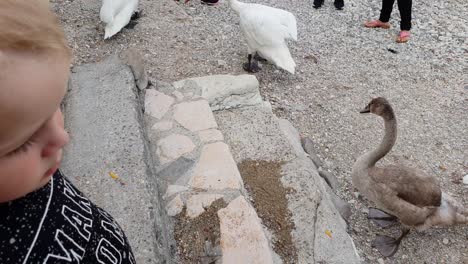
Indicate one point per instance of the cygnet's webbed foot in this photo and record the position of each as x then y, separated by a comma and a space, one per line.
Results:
133, 20
381, 218
251, 67
259, 58
388, 246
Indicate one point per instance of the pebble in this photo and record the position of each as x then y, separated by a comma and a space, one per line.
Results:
381, 261
465, 179
445, 241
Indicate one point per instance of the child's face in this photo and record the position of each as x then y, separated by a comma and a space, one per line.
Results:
31, 124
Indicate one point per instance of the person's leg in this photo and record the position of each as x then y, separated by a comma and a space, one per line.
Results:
386, 11
405, 12
318, 3
339, 4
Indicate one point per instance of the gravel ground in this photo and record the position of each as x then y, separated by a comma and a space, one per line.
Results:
340, 67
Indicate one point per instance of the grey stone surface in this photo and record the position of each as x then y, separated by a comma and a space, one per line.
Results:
133, 58
176, 169
343, 207
309, 148
255, 133
292, 135
331, 180
313, 213
162, 87
252, 133
224, 91
102, 118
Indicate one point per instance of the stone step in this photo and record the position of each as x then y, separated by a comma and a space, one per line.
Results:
293, 201
107, 156
200, 178
201, 162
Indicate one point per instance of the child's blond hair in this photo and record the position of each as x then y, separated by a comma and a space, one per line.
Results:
29, 26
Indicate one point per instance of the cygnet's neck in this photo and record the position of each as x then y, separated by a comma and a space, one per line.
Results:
369, 159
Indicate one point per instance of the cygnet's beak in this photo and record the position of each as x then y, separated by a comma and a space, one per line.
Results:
365, 110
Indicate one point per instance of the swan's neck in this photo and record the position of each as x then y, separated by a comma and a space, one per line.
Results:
369, 159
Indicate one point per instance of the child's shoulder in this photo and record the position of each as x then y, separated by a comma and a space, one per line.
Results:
59, 222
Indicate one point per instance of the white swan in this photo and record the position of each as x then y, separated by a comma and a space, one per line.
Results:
116, 14
266, 30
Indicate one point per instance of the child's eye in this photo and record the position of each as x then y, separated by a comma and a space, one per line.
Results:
22, 149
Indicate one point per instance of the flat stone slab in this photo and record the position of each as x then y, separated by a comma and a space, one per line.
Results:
194, 115
216, 169
224, 91
175, 206
162, 126
196, 204
210, 135
101, 115
242, 236
173, 146
157, 104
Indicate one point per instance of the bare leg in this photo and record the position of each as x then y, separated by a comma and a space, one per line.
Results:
388, 246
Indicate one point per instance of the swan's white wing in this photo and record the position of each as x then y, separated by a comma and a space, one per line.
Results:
289, 21
267, 26
261, 29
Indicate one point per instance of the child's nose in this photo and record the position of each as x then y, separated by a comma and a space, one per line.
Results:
57, 137
56, 142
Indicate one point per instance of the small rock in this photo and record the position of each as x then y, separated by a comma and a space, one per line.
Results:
330, 179
173, 146
352, 201
381, 261
465, 179
445, 241
178, 95
343, 207
175, 206
133, 58
222, 64
309, 148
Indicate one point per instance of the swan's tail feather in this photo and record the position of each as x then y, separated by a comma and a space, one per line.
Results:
450, 212
281, 57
